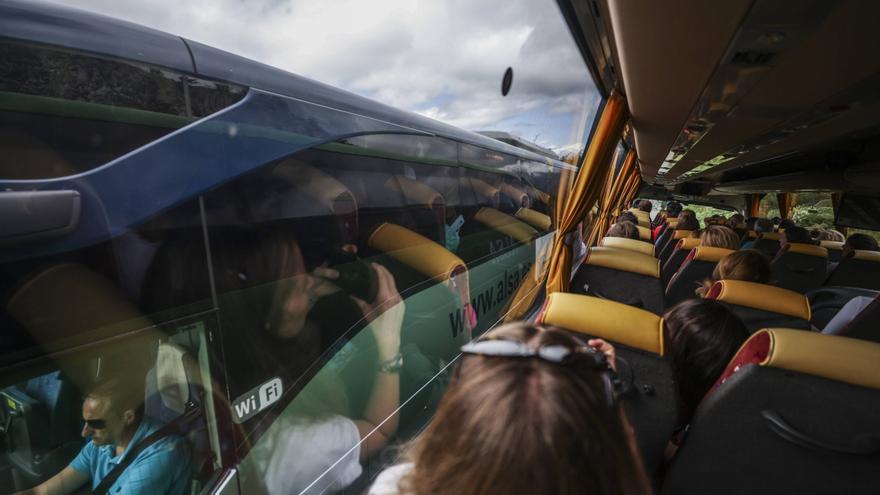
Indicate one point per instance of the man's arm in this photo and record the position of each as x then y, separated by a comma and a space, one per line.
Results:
63, 483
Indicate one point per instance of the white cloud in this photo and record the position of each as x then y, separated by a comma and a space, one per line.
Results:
444, 59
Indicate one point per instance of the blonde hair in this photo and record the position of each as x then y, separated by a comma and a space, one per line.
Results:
748, 265
719, 236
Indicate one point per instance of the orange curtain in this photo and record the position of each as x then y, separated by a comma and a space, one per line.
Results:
630, 189
610, 200
786, 203
588, 185
753, 202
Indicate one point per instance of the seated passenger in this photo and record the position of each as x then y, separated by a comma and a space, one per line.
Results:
626, 230
861, 242
762, 226
688, 222
748, 265
795, 235
786, 224
830, 235
673, 210
719, 236
530, 410
628, 217
645, 205
113, 417
735, 219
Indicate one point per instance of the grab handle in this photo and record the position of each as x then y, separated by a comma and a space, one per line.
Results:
861, 446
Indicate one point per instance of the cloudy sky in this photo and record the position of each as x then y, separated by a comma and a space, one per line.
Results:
443, 59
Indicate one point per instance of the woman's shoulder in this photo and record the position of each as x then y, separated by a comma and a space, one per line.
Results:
387, 481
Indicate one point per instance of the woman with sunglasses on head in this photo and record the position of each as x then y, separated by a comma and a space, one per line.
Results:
530, 409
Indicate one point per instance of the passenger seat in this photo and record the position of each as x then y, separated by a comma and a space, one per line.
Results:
835, 250
619, 275
697, 267
628, 245
648, 391
794, 412
767, 243
763, 306
681, 251
666, 252
859, 269
800, 267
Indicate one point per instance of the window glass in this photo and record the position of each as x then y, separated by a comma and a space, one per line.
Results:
63, 112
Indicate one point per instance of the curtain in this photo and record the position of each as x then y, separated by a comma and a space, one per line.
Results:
588, 185
786, 203
630, 189
611, 198
753, 204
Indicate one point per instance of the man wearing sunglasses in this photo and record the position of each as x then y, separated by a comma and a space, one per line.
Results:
113, 420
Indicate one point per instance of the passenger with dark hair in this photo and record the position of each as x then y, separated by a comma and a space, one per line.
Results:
719, 236
762, 226
645, 205
113, 420
794, 235
673, 210
734, 220
861, 242
624, 229
702, 337
786, 224
529, 410
746, 264
628, 216
688, 222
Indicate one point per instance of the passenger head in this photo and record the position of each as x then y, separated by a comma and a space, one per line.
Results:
503, 416
112, 410
763, 225
673, 209
702, 337
687, 213
735, 220
719, 236
628, 216
795, 234
862, 242
834, 235
748, 265
750, 222
645, 205
624, 229
687, 222
786, 223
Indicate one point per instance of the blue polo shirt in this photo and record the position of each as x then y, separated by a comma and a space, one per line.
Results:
163, 467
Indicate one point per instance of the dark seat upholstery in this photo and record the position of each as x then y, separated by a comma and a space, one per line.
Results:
794, 412
682, 249
767, 243
623, 276
673, 240
763, 306
800, 267
835, 250
748, 236
825, 302
665, 234
649, 394
859, 269
864, 326
697, 267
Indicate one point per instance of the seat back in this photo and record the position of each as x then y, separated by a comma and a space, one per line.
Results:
826, 302
623, 276
859, 269
643, 216
681, 250
628, 245
748, 236
697, 267
864, 325
800, 267
767, 243
644, 233
763, 306
649, 393
666, 252
835, 250
794, 412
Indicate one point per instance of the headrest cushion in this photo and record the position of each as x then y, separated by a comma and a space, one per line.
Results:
505, 224
623, 260
416, 251
534, 218
605, 319
865, 255
520, 197
832, 245
415, 192
644, 233
806, 249
714, 254
770, 236
641, 215
681, 234
688, 243
628, 244
843, 359
761, 296
672, 222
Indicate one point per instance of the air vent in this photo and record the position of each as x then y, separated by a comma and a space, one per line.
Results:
752, 58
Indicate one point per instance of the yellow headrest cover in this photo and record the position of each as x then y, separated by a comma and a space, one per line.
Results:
644, 233
672, 221
628, 244
770, 236
543, 197
641, 215
605, 319
681, 234
416, 251
688, 243
740, 226
807, 249
514, 192
415, 192
505, 224
623, 260
761, 296
752, 234
832, 245
483, 188
838, 358
865, 255
534, 218
715, 254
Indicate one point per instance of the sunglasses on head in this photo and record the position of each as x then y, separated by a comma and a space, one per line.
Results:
96, 424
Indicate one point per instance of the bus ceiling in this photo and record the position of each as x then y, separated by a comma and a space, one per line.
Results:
725, 92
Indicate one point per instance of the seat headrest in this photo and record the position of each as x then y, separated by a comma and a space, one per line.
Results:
752, 234
865, 255
644, 233
519, 196
672, 222
534, 218
832, 245
414, 191
628, 244
842, 359
175, 368
483, 188
605, 319
319, 187
624, 260
682, 234
688, 243
713, 254
416, 251
806, 249
770, 236
740, 226
641, 215
761, 296
505, 224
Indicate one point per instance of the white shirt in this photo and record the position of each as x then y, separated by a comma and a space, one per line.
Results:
387, 481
